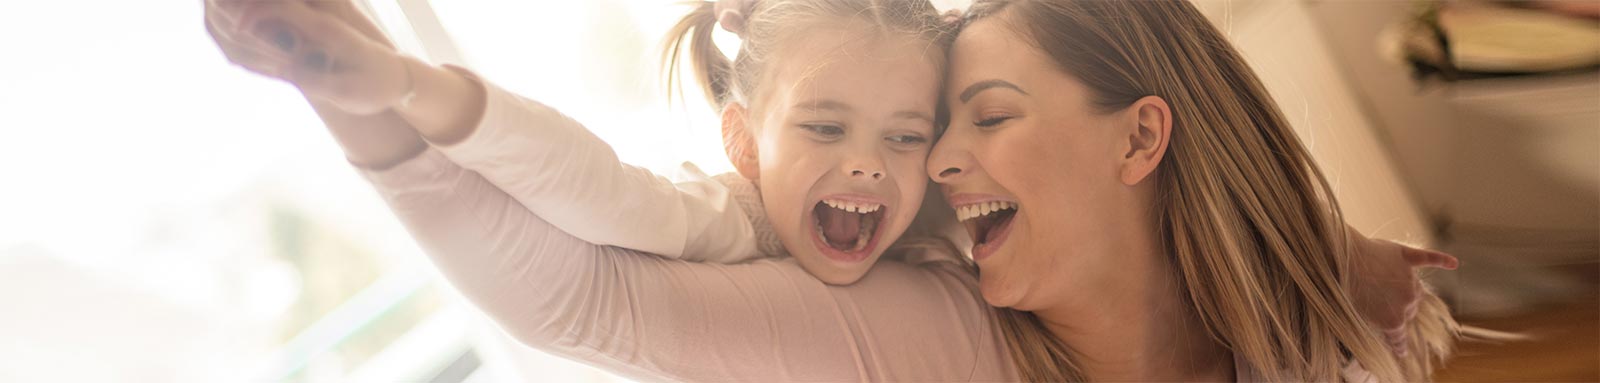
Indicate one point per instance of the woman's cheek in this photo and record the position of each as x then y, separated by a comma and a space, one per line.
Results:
1018, 158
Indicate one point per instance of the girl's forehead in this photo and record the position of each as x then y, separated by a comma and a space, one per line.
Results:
841, 55
888, 75
838, 63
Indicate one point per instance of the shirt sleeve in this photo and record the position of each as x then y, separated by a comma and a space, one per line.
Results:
570, 178
653, 318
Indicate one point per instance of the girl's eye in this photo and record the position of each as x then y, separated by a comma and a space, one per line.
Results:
824, 130
991, 121
906, 139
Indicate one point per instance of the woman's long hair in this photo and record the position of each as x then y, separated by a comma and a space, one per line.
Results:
1247, 217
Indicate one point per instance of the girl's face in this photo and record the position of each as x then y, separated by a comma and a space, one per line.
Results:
843, 134
1031, 170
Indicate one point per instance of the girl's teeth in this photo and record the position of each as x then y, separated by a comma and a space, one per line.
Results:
853, 207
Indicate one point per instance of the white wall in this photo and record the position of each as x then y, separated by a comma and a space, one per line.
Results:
1279, 41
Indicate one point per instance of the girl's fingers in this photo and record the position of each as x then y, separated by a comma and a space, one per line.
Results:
293, 15
291, 41
263, 62
220, 24
220, 28
1428, 258
325, 55
309, 37
232, 10
244, 50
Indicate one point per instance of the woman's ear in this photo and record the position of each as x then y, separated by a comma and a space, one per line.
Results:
739, 143
1150, 132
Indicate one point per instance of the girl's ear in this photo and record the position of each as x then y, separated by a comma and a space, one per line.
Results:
1150, 130
740, 144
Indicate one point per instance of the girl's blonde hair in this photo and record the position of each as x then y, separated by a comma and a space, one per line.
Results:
1248, 218
771, 24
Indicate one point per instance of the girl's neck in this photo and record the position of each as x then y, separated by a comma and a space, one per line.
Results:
1142, 330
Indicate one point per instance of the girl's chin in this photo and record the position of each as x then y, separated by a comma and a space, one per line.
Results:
831, 272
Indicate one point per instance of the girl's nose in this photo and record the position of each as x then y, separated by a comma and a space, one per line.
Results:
868, 174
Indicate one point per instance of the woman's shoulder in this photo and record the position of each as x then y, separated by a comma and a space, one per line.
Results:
926, 321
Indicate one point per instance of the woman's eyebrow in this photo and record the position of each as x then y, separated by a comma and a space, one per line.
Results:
966, 95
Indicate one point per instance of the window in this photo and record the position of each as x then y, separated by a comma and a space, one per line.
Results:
170, 217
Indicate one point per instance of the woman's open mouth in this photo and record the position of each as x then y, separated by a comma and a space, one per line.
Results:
847, 231
989, 223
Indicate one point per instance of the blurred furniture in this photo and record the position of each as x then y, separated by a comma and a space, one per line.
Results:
1507, 173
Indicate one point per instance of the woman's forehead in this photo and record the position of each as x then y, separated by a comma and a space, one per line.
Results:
989, 49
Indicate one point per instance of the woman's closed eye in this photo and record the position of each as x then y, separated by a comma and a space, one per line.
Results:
987, 122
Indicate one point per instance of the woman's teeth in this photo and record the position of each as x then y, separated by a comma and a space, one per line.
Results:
982, 209
853, 207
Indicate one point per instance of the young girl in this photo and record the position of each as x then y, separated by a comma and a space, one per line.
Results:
829, 128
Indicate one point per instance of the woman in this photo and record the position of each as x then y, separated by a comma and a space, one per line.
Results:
1191, 293
1149, 164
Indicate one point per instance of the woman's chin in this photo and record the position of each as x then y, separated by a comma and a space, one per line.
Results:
997, 292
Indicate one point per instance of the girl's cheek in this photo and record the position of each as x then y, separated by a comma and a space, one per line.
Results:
911, 167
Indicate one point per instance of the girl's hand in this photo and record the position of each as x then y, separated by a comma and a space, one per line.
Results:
325, 53
1386, 288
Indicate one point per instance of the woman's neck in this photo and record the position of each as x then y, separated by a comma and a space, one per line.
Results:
1141, 330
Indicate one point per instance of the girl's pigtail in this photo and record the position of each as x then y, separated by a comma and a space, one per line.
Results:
711, 68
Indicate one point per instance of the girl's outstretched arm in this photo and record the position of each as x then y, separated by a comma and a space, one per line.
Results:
387, 104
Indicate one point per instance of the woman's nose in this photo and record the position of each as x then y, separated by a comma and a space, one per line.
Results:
947, 162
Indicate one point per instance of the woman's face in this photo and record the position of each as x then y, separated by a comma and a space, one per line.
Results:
1026, 146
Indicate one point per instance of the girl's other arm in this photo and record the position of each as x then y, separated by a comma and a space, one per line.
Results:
652, 318
567, 176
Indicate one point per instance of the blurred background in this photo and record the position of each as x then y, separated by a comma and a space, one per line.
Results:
168, 217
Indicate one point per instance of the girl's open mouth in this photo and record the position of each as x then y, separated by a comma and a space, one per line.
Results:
846, 230
989, 224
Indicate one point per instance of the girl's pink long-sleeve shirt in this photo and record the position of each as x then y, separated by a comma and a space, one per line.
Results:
654, 318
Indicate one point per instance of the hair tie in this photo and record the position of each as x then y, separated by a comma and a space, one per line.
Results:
953, 17
730, 13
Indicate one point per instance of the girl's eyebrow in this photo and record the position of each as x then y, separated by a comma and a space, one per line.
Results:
837, 106
913, 115
823, 105
972, 90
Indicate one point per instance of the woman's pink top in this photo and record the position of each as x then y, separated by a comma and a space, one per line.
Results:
653, 318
